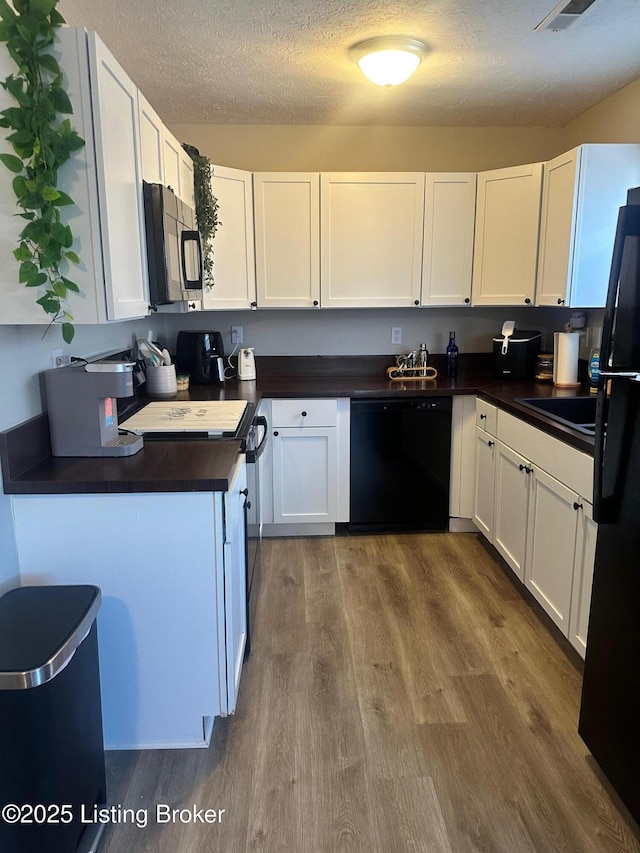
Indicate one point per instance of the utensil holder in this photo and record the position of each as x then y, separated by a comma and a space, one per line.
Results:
161, 381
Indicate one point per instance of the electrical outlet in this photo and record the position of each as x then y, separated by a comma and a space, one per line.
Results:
56, 355
396, 334
236, 334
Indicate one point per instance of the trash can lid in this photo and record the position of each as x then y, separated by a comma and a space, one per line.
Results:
40, 629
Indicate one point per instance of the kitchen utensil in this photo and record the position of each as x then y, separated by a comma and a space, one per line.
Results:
150, 352
508, 328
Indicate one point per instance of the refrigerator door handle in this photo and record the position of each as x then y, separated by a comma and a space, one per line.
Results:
622, 374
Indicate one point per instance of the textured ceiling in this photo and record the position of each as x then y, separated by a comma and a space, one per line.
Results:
286, 61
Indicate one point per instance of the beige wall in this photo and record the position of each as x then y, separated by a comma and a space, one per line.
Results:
616, 119
338, 148
434, 149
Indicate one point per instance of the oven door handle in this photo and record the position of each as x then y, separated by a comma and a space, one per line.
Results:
260, 421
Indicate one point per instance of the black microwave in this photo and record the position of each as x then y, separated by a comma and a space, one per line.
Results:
174, 249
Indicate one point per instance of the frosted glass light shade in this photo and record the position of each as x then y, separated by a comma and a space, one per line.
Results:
388, 60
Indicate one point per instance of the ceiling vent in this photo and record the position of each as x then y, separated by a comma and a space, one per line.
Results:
564, 14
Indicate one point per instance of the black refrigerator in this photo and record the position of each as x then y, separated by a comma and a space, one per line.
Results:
610, 709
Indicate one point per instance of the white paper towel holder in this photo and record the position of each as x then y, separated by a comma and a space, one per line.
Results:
558, 368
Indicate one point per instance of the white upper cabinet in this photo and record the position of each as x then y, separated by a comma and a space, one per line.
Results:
449, 222
104, 180
506, 239
151, 142
164, 160
287, 238
582, 193
371, 239
178, 168
233, 246
117, 139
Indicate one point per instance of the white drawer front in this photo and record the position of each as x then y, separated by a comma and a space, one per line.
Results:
304, 413
567, 464
486, 416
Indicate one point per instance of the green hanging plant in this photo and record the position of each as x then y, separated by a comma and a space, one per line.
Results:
206, 208
43, 142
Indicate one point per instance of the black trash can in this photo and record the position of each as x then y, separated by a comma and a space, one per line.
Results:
52, 772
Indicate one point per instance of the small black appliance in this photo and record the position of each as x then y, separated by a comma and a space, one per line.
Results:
514, 355
201, 355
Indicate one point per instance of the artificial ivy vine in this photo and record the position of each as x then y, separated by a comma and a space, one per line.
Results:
206, 208
42, 142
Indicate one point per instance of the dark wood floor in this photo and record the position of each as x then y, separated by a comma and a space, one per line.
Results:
401, 696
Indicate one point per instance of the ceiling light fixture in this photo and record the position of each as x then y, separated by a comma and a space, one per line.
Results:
388, 60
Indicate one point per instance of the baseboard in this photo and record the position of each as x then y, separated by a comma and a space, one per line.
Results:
322, 528
462, 525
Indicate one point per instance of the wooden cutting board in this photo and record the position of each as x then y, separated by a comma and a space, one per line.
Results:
212, 416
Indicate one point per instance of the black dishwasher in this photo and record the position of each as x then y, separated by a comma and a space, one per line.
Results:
400, 464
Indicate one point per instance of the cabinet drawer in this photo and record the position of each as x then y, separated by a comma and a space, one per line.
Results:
304, 413
567, 464
486, 416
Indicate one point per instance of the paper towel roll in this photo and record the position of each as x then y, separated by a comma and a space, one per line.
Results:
565, 364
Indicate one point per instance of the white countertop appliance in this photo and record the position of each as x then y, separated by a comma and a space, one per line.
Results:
246, 364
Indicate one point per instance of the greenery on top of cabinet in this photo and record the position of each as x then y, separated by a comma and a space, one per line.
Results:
42, 144
206, 208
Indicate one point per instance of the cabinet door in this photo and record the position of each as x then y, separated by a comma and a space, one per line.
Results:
506, 240
449, 224
234, 624
485, 478
512, 474
78, 179
304, 474
586, 535
557, 226
551, 537
233, 246
187, 190
172, 156
151, 147
371, 239
287, 235
117, 140
582, 193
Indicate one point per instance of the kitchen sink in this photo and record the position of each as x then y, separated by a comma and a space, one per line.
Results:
576, 412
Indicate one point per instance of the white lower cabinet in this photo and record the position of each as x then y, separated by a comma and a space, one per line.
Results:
485, 482
304, 474
539, 523
551, 545
305, 484
511, 495
585, 555
172, 626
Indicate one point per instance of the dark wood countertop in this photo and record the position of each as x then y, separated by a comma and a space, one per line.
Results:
173, 466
